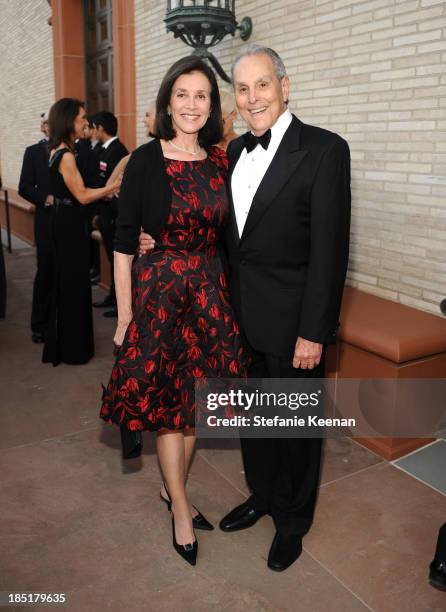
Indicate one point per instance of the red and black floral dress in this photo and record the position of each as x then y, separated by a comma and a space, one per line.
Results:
183, 324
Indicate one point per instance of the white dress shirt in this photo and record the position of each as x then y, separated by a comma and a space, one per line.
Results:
109, 141
251, 168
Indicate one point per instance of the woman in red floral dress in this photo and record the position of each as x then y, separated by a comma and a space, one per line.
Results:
175, 321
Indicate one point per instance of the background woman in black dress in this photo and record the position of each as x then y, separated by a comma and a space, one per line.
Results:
70, 326
175, 322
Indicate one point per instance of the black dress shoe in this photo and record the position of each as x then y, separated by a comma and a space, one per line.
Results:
107, 302
111, 314
241, 517
284, 551
198, 521
437, 574
37, 337
187, 551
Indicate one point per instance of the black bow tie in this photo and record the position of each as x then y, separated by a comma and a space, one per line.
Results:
252, 141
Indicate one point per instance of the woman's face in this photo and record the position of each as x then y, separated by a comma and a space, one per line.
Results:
80, 123
190, 102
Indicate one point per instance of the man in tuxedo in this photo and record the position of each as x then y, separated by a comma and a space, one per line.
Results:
34, 187
287, 242
109, 155
288, 239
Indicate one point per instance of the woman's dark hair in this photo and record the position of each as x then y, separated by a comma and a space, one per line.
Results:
61, 121
212, 131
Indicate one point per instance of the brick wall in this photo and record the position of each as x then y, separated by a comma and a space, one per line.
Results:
372, 71
26, 80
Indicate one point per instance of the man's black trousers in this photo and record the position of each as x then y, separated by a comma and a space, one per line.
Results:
283, 473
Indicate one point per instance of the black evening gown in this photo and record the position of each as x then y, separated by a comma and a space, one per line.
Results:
70, 326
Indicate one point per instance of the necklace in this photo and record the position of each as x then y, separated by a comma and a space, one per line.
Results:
184, 150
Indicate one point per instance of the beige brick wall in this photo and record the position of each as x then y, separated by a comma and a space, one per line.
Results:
372, 71
26, 79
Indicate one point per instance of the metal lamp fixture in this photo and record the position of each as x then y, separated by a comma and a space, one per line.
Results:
202, 24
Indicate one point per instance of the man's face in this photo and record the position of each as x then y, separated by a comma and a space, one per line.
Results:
259, 94
44, 128
100, 133
149, 121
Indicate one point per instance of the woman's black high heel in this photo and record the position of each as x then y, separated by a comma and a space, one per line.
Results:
187, 551
198, 521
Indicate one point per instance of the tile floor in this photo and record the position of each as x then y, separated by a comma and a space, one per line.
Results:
427, 464
77, 519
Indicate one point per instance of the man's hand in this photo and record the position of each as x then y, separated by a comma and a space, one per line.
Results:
49, 200
307, 354
146, 243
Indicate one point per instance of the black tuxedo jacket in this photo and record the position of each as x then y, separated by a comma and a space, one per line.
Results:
108, 159
87, 162
34, 183
288, 267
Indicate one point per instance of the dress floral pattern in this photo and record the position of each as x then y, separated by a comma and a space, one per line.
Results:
183, 324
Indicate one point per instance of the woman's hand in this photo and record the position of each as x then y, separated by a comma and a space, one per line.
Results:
121, 328
146, 243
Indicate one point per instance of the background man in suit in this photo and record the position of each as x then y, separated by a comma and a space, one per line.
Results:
110, 154
229, 115
289, 187
149, 119
87, 150
34, 187
2, 277
287, 242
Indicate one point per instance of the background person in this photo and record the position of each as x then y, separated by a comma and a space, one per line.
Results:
149, 123
2, 277
229, 114
109, 155
70, 324
87, 149
34, 186
149, 119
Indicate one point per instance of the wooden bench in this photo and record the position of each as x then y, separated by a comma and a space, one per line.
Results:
21, 215
383, 339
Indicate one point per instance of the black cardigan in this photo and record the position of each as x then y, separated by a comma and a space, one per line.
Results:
144, 199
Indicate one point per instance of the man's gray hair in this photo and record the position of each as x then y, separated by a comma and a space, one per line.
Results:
255, 49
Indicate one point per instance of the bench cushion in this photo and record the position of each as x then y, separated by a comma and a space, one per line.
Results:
16, 200
391, 330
